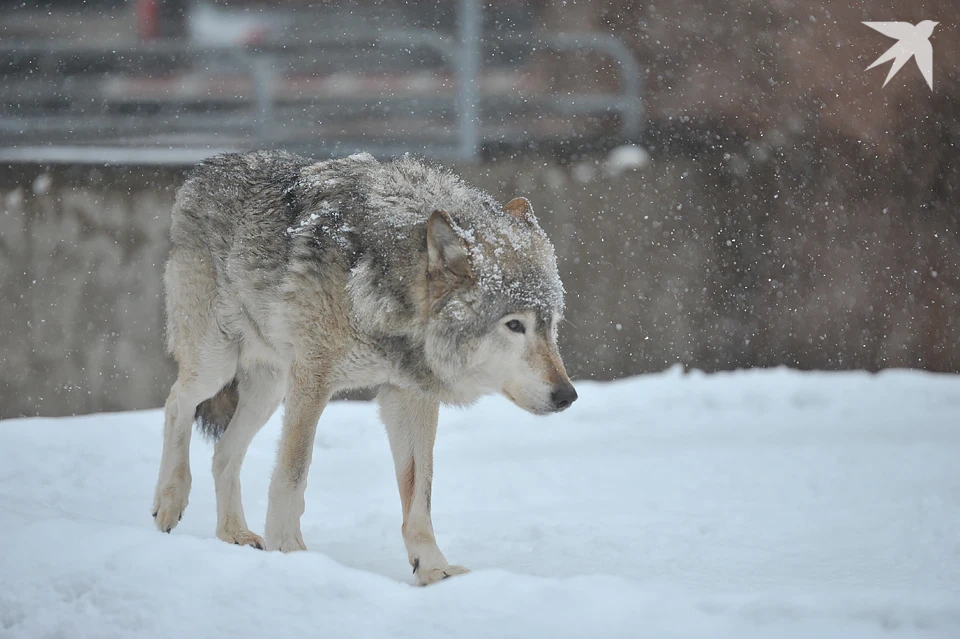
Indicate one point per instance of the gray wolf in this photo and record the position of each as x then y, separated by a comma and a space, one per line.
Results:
290, 280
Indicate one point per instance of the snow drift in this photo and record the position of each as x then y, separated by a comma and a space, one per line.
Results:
754, 504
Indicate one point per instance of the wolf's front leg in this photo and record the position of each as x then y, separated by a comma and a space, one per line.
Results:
306, 398
173, 483
411, 421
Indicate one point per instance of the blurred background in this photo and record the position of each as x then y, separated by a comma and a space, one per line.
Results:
726, 186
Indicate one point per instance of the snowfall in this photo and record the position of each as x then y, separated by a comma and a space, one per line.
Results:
751, 504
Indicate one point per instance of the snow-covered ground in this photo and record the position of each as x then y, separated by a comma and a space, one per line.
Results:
754, 504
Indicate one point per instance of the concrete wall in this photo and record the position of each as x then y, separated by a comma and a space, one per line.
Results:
712, 261
81, 323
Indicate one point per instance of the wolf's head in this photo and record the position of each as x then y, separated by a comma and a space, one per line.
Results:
495, 300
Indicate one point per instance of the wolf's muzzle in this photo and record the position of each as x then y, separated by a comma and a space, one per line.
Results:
562, 397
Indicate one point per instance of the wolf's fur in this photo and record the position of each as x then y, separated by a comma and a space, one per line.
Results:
291, 280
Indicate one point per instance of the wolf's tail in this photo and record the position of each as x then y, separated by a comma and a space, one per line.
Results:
214, 414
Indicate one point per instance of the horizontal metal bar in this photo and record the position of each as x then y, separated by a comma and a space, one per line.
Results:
109, 155
139, 156
398, 38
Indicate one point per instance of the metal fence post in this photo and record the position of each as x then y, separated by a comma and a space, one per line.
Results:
261, 67
470, 24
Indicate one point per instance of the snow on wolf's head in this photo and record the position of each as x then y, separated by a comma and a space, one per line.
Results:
496, 300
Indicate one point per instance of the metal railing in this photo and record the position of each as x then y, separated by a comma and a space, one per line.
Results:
171, 103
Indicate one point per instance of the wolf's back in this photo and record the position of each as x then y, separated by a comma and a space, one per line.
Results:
229, 192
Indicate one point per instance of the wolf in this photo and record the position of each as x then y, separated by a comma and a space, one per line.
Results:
291, 280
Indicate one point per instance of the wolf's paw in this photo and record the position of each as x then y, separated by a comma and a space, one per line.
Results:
291, 542
427, 576
242, 538
170, 502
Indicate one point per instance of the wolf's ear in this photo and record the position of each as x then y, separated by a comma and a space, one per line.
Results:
446, 254
520, 208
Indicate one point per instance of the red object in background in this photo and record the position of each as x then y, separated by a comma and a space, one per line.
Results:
148, 19
255, 37
161, 18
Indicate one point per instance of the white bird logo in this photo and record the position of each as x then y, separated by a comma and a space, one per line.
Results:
914, 42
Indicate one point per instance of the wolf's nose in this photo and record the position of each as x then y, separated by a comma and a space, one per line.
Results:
563, 397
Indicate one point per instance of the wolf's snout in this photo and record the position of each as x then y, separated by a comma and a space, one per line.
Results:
562, 397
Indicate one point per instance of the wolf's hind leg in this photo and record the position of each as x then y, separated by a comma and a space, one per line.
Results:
260, 390
307, 396
411, 421
193, 385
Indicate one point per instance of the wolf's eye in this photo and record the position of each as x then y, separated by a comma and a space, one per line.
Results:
516, 326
